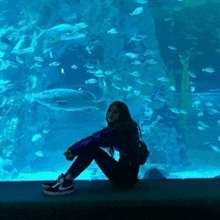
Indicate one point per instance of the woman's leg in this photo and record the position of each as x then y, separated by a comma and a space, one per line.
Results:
122, 176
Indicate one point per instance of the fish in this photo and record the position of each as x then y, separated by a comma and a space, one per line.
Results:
39, 59
36, 137
201, 128
73, 36
131, 55
163, 79
213, 111
135, 73
109, 72
112, 31
151, 61
172, 47
68, 100
192, 89
68, 28
19, 60
175, 110
137, 11
82, 25
215, 148
200, 114
192, 74
74, 67
142, 1
55, 63
197, 102
91, 81
208, 70
203, 124
39, 153
173, 88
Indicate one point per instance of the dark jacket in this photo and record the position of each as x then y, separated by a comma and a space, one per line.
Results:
121, 137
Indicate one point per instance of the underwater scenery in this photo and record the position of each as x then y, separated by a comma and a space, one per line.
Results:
63, 62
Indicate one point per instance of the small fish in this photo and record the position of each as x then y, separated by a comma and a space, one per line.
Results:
3, 102
112, 31
137, 62
140, 81
200, 114
39, 153
117, 87
208, 70
151, 61
197, 103
56, 63
192, 74
19, 60
135, 73
109, 72
203, 124
142, 1
36, 137
82, 25
147, 98
128, 88
137, 11
201, 128
183, 111
51, 54
219, 138
215, 148
45, 131
173, 88
39, 59
163, 79
137, 92
89, 66
167, 19
131, 55
213, 111
172, 47
88, 49
74, 67
91, 81
174, 110
192, 89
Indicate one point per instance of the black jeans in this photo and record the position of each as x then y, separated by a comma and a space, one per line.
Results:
121, 174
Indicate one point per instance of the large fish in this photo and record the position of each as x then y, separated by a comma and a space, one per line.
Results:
68, 100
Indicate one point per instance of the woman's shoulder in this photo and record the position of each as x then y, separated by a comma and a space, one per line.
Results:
128, 126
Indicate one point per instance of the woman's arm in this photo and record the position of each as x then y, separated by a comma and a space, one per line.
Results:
102, 138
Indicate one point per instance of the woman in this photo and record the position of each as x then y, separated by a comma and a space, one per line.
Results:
123, 134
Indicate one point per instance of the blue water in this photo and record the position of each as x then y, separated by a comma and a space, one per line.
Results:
160, 57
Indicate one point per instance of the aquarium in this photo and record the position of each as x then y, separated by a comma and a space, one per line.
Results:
62, 63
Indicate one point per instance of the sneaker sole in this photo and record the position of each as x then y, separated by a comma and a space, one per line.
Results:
58, 193
45, 187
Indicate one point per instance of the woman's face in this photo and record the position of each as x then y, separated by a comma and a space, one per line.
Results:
113, 114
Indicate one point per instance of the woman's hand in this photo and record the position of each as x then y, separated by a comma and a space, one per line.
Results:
69, 155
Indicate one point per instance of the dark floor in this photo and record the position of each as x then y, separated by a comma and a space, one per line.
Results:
99, 199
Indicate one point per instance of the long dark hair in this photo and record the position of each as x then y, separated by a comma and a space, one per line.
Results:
124, 116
